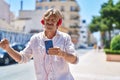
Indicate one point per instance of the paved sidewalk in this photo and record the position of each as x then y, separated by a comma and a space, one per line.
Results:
93, 66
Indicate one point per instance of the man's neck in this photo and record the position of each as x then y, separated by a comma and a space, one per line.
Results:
50, 34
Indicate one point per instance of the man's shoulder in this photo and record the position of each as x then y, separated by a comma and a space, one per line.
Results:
63, 33
37, 35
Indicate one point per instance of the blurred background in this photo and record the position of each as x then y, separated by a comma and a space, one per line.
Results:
88, 22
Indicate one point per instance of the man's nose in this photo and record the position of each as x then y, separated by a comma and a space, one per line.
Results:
50, 21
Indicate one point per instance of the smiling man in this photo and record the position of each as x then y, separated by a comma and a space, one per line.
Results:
50, 63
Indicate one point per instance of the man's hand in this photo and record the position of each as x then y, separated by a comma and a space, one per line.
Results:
4, 43
55, 51
68, 57
14, 54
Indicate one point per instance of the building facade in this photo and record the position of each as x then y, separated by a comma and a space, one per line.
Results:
69, 8
29, 21
70, 11
5, 16
5, 13
86, 37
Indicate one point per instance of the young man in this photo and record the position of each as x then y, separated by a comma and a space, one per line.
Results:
51, 64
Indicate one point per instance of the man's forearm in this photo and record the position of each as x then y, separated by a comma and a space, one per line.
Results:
69, 57
14, 54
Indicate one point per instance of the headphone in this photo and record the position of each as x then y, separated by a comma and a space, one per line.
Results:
58, 23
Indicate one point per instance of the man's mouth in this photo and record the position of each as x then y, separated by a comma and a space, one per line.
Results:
50, 24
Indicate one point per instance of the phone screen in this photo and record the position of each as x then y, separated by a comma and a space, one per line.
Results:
48, 44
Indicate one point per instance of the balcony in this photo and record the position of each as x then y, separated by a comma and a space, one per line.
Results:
74, 25
74, 8
74, 17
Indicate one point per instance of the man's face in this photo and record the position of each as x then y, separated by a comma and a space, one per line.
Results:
51, 23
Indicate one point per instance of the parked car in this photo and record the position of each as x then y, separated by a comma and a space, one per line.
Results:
82, 47
5, 58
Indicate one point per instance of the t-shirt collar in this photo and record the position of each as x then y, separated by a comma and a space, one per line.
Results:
57, 34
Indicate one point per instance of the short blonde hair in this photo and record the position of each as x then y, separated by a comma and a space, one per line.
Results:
58, 15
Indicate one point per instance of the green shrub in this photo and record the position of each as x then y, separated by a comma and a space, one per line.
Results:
115, 43
109, 51
107, 44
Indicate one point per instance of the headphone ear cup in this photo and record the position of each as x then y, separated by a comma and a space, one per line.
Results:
59, 22
42, 21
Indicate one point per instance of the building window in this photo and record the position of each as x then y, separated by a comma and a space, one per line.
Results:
39, 0
46, 7
62, 0
85, 42
84, 36
82, 31
43, 0
52, 6
72, 8
80, 26
74, 17
40, 7
62, 8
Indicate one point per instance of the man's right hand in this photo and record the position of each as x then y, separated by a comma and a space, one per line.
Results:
6, 46
4, 43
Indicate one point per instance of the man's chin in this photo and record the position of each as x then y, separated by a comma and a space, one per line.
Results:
49, 25
49, 28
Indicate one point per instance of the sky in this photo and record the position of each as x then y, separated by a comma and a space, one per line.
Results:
88, 8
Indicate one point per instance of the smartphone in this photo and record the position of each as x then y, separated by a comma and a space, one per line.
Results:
48, 44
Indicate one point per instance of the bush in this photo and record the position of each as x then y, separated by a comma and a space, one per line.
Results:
115, 43
109, 51
107, 44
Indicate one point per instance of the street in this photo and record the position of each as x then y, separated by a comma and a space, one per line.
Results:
92, 66
23, 71
17, 72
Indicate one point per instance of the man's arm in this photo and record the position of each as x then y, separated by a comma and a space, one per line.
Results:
4, 44
68, 57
